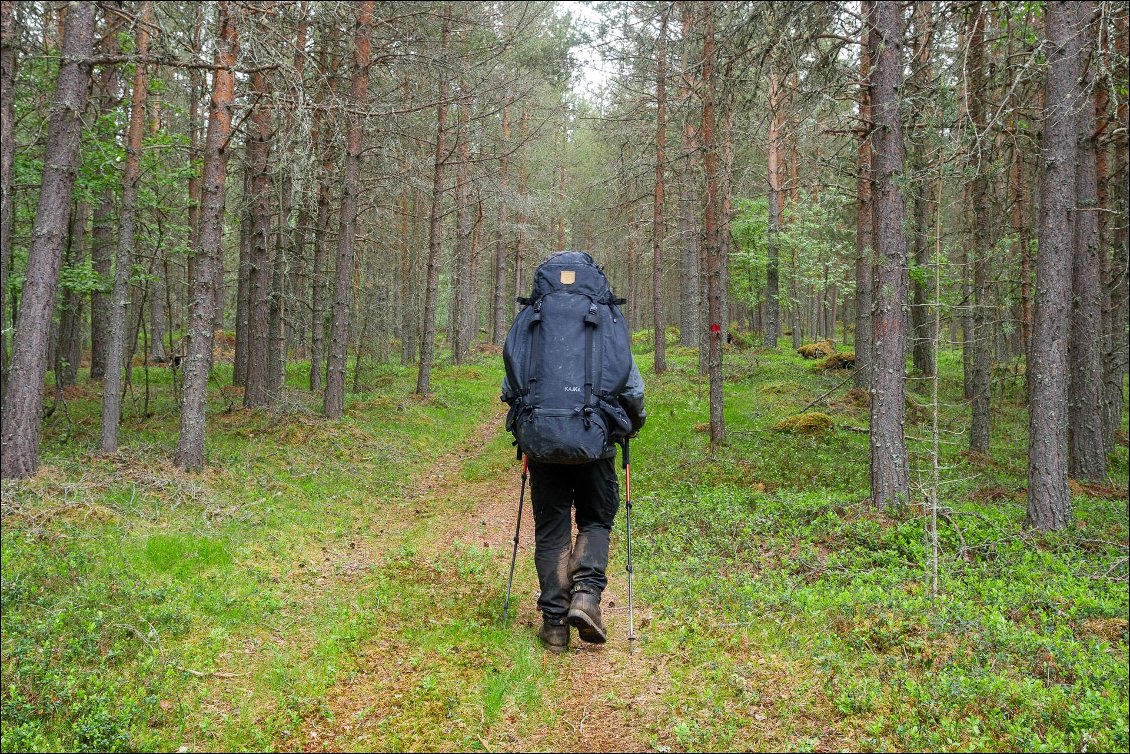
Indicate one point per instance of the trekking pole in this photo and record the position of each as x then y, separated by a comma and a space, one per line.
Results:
517, 528
628, 521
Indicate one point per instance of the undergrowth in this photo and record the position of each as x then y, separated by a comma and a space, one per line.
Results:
144, 608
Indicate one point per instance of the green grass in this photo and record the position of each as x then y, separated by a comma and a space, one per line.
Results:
148, 609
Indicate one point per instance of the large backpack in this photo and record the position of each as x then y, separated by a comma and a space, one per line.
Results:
568, 356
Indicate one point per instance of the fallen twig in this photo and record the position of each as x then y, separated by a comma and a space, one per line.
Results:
206, 673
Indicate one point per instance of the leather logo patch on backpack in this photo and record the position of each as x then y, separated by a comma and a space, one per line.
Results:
568, 277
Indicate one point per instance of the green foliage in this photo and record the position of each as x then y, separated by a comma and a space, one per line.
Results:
82, 278
812, 242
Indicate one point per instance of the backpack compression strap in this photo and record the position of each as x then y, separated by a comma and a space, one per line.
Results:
535, 330
591, 320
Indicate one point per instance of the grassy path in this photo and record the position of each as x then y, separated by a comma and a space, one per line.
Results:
594, 698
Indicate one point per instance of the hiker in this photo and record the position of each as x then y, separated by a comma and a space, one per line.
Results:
574, 392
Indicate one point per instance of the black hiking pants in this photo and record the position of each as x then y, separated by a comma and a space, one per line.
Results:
564, 567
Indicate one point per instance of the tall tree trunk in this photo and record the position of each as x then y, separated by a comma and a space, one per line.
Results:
407, 298
473, 303
157, 265
1086, 446
864, 219
23, 402
431, 292
9, 40
189, 454
461, 278
773, 265
334, 403
276, 294
659, 324
561, 204
890, 469
724, 205
1116, 359
714, 260
195, 94
498, 333
69, 351
520, 237
922, 322
1023, 254
981, 247
688, 193
243, 275
116, 357
157, 313
102, 232
286, 251
1049, 500
295, 283
324, 138
257, 381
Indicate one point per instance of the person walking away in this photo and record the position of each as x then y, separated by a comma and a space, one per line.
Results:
574, 392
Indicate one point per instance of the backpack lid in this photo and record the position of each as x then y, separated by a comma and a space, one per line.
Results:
571, 271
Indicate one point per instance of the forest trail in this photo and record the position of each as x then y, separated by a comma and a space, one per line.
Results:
604, 700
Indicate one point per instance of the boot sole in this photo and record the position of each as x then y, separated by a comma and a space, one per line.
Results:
586, 628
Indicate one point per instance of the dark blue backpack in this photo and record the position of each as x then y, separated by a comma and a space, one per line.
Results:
568, 356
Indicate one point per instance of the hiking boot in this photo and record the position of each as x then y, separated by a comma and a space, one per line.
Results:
584, 615
554, 635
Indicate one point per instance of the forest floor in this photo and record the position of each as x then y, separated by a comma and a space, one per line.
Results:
338, 585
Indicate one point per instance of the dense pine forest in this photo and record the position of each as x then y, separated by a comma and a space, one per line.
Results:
259, 260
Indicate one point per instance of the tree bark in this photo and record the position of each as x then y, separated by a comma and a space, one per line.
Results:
196, 86
243, 275
1086, 446
276, 293
257, 380
1023, 252
116, 357
1116, 359
324, 137
102, 232
772, 267
688, 194
1049, 499
864, 221
498, 333
23, 402
69, 351
334, 403
189, 454
157, 283
520, 236
407, 297
714, 260
980, 341
659, 324
890, 470
461, 277
431, 292
922, 322
295, 283
9, 40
